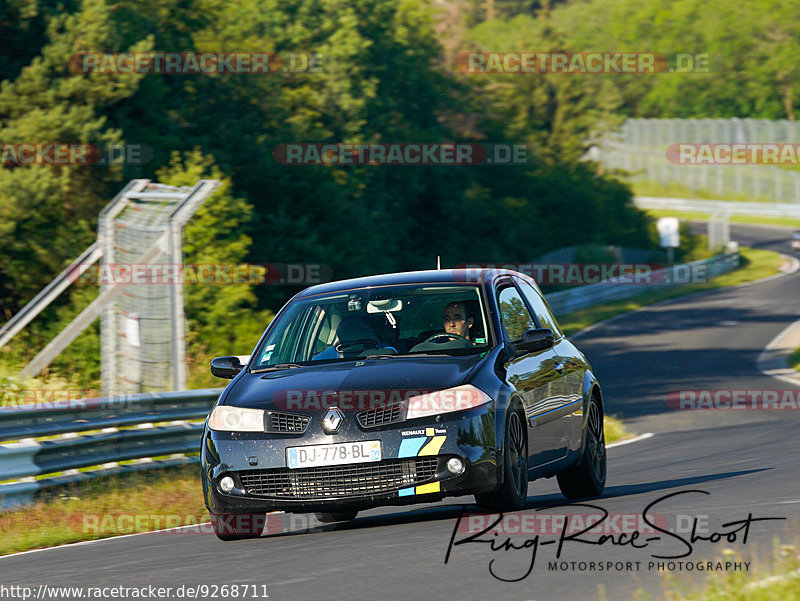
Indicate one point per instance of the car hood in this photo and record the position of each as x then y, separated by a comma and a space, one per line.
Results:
283, 389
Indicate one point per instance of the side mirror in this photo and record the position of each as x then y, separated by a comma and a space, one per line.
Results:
226, 367
534, 340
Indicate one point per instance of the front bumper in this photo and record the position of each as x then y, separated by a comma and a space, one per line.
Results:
418, 450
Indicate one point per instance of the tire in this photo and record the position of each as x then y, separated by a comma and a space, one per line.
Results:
231, 526
336, 516
588, 478
512, 495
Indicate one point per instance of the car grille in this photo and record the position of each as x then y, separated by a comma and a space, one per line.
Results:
339, 480
286, 422
379, 417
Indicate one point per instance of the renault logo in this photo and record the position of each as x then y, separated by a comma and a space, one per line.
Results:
333, 420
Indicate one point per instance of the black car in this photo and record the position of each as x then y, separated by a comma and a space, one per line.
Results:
399, 389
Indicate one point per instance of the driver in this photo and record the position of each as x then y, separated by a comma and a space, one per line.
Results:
457, 319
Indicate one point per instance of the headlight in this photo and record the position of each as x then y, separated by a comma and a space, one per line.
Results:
459, 398
236, 419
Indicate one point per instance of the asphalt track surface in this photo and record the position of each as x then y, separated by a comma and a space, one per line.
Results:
740, 463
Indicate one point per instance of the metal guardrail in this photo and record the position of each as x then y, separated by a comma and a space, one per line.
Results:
32, 458
126, 432
80, 415
104, 431
582, 297
731, 207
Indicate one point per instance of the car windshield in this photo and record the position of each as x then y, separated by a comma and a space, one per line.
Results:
377, 322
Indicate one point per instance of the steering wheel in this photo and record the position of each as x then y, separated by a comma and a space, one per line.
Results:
445, 335
356, 346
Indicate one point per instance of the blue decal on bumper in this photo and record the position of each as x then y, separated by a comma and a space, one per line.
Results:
409, 447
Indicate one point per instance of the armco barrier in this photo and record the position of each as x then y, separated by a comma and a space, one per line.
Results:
80, 445
582, 297
80, 415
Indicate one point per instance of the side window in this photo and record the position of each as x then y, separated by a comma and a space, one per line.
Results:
540, 308
514, 314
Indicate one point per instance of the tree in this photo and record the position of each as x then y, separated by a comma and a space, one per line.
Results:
48, 211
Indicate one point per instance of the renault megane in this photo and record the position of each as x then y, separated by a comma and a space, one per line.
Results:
399, 389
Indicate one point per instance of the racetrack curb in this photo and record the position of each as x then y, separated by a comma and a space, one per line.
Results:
630, 440
774, 360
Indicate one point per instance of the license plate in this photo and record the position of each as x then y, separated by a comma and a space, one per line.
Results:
333, 454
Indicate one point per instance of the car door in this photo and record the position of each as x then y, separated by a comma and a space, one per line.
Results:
534, 376
570, 365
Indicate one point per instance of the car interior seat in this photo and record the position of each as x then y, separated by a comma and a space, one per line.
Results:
355, 336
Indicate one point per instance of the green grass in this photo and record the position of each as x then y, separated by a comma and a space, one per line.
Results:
756, 264
794, 359
614, 430
106, 507
675, 190
777, 580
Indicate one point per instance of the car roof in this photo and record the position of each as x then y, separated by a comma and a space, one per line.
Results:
477, 276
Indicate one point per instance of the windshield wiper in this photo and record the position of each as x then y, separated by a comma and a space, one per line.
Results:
397, 355
277, 367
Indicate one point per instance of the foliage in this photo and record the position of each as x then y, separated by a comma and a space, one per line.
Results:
47, 212
750, 48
